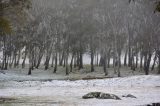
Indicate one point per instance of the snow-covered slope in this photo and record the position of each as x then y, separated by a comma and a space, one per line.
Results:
134, 81
69, 93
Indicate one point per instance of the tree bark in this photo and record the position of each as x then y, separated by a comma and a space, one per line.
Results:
158, 53
71, 64
81, 60
105, 65
154, 62
61, 60
55, 67
147, 63
52, 60
24, 60
108, 58
19, 55
125, 58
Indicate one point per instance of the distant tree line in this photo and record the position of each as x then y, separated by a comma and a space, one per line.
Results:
105, 29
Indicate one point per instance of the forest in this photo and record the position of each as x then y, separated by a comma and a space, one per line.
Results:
57, 30
80, 38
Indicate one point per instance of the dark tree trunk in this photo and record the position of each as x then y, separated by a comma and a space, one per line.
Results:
92, 61
47, 63
52, 60
81, 60
133, 67
108, 62
78, 59
129, 55
158, 53
62, 59
92, 54
4, 63
48, 57
66, 65
136, 60
19, 55
55, 67
119, 64
147, 63
105, 65
40, 56
75, 62
64, 62
30, 71
101, 62
31, 56
154, 62
125, 58
108, 58
71, 64
39, 61
114, 63
97, 59
15, 60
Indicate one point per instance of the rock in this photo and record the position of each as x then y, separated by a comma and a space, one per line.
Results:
108, 96
91, 95
129, 96
100, 95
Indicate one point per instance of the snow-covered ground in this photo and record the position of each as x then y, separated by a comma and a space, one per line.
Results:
69, 93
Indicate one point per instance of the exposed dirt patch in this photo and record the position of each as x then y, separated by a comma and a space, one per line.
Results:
6, 99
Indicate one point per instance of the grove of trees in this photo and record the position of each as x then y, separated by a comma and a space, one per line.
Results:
61, 32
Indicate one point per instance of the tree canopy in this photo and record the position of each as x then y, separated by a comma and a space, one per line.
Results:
12, 12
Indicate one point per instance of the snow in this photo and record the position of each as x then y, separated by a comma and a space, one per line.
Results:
69, 93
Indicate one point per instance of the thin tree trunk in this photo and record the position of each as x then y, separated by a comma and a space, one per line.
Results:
30, 63
15, 60
101, 62
92, 61
48, 57
19, 55
55, 67
71, 64
141, 62
108, 58
40, 58
104, 65
129, 49
24, 60
125, 58
66, 61
133, 67
12, 61
147, 63
114, 63
118, 68
52, 60
81, 60
4, 67
75, 61
159, 62
61, 60
97, 59
154, 62
137, 60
